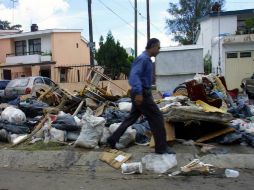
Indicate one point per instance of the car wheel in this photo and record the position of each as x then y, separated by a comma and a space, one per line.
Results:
180, 90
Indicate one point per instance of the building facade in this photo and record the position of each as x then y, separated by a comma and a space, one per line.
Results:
224, 37
60, 54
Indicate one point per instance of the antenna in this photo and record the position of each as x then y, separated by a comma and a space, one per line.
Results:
13, 6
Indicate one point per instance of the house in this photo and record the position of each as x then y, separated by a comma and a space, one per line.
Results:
60, 54
224, 38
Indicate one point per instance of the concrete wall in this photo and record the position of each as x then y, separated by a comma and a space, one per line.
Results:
210, 30
177, 65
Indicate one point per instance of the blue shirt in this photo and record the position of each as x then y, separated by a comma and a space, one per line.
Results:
140, 77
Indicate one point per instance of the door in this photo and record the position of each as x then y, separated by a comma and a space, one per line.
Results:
45, 73
7, 74
239, 65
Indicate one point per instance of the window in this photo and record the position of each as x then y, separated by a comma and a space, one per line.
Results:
48, 81
78, 76
232, 55
38, 81
63, 75
245, 54
34, 46
20, 47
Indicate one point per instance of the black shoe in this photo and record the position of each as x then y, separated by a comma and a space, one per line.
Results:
111, 143
166, 151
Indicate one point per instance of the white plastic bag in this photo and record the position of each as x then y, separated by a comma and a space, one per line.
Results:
91, 132
127, 138
125, 106
105, 135
57, 135
159, 163
13, 115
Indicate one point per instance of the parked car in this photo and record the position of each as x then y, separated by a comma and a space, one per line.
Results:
3, 84
247, 85
26, 85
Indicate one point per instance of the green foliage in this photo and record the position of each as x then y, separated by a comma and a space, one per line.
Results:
249, 25
47, 53
183, 21
6, 25
208, 63
112, 56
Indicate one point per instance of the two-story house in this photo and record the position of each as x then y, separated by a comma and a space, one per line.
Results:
60, 54
223, 36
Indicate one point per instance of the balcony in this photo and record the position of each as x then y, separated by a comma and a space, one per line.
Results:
246, 38
27, 59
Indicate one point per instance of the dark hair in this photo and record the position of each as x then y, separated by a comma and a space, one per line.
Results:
152, 42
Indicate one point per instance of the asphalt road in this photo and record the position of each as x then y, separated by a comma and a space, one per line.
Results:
63, 180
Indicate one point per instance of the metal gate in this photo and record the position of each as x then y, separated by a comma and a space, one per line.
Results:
239, 65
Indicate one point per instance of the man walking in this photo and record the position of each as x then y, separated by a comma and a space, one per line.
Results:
140, 80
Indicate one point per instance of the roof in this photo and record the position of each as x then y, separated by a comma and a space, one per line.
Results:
39, 32
8, 32
228, 13
27, 64
181, 48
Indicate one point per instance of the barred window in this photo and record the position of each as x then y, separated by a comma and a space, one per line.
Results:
232, 55
20, 47
34, 46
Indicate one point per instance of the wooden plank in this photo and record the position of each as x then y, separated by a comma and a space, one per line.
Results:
170, 133
215, 134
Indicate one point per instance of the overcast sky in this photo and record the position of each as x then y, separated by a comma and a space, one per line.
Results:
114, 15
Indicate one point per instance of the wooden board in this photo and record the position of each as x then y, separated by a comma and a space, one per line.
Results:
187, 113
170, 133
215, 134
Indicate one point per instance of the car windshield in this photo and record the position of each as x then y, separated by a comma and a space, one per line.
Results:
3, 84
21, 82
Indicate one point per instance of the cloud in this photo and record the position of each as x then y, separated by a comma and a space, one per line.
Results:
27, 12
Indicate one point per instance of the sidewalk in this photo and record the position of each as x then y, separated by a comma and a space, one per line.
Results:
83, 160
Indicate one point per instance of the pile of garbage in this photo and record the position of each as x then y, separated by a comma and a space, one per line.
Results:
91, 116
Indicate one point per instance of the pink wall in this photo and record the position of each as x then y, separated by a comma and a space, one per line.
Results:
69, 49
5, 48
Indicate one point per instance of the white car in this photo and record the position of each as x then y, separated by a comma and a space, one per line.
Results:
25, 85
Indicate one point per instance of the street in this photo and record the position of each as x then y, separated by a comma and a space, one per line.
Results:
41, 180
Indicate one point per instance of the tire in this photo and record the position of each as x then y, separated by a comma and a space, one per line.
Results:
181, 90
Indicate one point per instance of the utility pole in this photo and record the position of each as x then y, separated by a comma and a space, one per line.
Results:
13, 6
217, 8
148, 19
91, 43
136, 29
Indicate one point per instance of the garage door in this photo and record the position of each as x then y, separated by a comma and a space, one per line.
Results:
239, 65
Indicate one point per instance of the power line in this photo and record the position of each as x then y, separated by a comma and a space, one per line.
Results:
118, 16
139, 13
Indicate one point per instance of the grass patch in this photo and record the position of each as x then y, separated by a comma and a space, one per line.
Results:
40, 145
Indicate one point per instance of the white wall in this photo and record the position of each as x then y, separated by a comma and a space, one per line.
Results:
176, 65
205, 36
46, 43
209, 39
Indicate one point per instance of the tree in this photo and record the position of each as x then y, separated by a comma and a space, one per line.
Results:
208, 63
112, 57
6, 25
249, 25
183, 21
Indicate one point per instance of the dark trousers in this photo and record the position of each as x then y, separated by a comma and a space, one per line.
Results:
155, 119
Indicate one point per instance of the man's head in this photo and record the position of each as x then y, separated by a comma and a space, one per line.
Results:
153, 47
